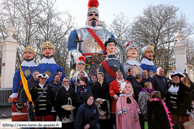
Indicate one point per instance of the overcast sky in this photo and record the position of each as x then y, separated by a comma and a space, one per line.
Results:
131, 8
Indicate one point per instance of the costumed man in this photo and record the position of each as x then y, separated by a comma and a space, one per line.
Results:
111, 64
28, 66
178, 99
93, 36
47, 64
127, 109
131, 53
114, 91
43, 97
146, 62
81, 67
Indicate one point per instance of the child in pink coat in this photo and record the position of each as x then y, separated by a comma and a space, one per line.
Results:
127, 110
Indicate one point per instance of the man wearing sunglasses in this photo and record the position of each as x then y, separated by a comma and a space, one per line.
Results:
93, 36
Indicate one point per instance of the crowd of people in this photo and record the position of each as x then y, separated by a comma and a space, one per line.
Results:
137, 102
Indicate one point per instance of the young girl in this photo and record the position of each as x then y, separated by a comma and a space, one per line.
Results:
127, 109
143, 97
158, 117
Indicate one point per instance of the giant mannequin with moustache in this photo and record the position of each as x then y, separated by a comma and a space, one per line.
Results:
47, 64
89, 46
28, 66
146, 62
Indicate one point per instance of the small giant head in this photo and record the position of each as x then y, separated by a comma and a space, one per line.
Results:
28, 53
48, 49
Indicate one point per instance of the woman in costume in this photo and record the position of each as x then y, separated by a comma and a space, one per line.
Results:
100, 91
65, 95
178, 99
158, 117
87, 115
127, 109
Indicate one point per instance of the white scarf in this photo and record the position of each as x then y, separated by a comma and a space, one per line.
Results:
41, 85
147, 62
28, 63
173, 89
133, 62
47, 61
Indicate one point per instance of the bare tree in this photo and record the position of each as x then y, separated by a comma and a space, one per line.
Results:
120, 28
37, 21
157, 27
190, 51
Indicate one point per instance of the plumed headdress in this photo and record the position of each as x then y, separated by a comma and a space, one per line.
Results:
93, 6
129, 45
81, 60
42, 76
177, 72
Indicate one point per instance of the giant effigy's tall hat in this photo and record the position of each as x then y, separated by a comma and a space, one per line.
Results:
48, 44
28, 48
93, 6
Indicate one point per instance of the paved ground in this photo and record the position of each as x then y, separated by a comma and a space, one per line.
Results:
5, 112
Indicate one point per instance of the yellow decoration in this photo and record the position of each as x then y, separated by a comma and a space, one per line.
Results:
48, 73
28, 48
25, 86
135, 70
48, 44
151, 73
27, 72
149, 48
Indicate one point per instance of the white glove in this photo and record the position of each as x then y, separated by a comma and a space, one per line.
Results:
120, 112
115, 96
76, 56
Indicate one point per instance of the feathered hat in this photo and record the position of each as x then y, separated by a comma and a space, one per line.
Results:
48, 44
81, 60
28, 48
177, 72
93, 6
42, 76
129, 45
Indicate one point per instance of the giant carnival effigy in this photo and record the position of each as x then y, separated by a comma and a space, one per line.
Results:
92, 48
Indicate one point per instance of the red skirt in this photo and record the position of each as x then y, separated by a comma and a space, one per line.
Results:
179, 119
